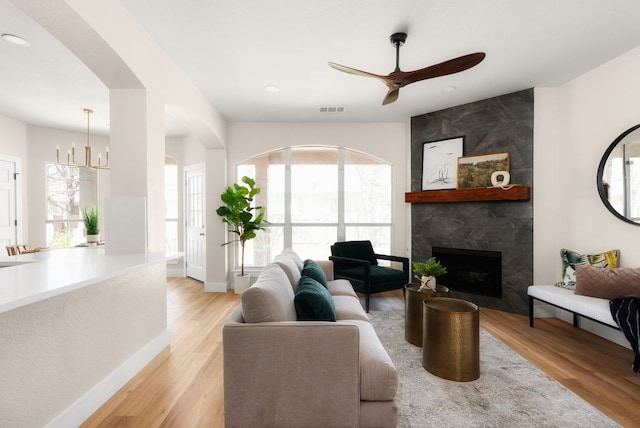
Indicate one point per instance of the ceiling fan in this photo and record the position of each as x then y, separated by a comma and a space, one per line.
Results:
398, 79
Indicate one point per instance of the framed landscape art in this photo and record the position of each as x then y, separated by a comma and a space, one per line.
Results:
439, 161
475, 171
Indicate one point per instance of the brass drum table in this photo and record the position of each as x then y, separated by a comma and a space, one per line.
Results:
413, 306
451, 339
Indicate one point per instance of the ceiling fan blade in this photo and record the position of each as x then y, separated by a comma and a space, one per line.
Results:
350, 70
391, 96
451, 66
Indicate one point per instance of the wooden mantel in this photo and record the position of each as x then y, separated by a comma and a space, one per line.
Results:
515, 193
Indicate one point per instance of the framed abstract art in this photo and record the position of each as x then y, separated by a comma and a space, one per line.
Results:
439, 163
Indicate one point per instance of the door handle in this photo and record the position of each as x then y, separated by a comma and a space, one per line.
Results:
202, 234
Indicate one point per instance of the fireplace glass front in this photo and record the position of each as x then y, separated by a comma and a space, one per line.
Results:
471, 271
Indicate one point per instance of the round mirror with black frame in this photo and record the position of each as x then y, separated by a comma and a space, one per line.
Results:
618, 176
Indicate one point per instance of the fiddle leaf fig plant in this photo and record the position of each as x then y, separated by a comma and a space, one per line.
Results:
428, 271
243, 219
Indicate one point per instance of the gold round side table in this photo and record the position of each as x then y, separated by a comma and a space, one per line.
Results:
413, 306
451, 339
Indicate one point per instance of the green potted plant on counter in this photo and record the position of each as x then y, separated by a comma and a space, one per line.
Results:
90, 218
244, 220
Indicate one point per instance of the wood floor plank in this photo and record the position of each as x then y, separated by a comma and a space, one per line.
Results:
183, 385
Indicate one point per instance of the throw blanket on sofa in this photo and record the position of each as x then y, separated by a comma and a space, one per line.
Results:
625, 312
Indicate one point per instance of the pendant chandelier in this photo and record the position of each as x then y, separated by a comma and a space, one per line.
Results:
88, 162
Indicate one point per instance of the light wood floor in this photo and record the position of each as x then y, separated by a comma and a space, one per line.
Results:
182, 387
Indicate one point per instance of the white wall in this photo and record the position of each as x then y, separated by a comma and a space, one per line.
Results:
574, 125
386, 141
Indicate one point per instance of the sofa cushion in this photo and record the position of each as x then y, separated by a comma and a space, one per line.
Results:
341, 287
313, 302
270, 298
327, 267
607, 283
378, 375
289, 266
296, 258
570, 259
313, 270
349, 308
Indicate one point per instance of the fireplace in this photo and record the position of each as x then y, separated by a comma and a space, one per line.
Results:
471, 271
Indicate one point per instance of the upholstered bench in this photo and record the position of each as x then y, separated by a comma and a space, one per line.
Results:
593, 308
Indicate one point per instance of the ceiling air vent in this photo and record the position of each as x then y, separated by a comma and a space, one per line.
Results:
331, 109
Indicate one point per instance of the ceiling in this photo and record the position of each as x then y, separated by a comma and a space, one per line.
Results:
232, 50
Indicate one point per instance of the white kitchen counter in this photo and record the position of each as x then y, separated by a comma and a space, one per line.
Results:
76, 324
30, 278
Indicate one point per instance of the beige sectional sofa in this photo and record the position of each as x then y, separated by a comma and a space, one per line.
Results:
281, 372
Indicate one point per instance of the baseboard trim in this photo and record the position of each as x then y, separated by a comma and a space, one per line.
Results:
91, 401
176, 272
216, 287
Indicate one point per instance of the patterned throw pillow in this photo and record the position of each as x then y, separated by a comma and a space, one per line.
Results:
571, 258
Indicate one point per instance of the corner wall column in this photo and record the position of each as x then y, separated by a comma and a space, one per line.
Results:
217, 265
137, 171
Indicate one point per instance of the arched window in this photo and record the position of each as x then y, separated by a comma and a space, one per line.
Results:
315, 196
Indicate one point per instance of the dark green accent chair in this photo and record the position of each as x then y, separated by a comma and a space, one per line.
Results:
356, 262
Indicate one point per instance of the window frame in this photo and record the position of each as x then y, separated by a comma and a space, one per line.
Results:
341, 225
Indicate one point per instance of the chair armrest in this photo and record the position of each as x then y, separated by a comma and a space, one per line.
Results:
392, 258
403, 260
349, 262
298, 373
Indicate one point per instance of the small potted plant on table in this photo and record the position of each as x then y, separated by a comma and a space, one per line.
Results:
428, 272
415, 295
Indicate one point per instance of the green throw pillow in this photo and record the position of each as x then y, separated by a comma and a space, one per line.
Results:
570, 259
313, 302
313, 270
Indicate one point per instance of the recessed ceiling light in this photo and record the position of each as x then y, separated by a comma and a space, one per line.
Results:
16, 40
272, 88
449, 89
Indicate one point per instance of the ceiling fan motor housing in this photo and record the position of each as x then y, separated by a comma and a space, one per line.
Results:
398, 39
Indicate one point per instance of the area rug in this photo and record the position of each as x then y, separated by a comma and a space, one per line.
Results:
511, 392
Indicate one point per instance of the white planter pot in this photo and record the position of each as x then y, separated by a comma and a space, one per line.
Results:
93, 239
241, 283
428, 282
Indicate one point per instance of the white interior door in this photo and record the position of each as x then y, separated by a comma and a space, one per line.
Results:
195, 248
8, 227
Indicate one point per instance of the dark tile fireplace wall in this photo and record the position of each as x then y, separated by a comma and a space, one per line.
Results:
500, 124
